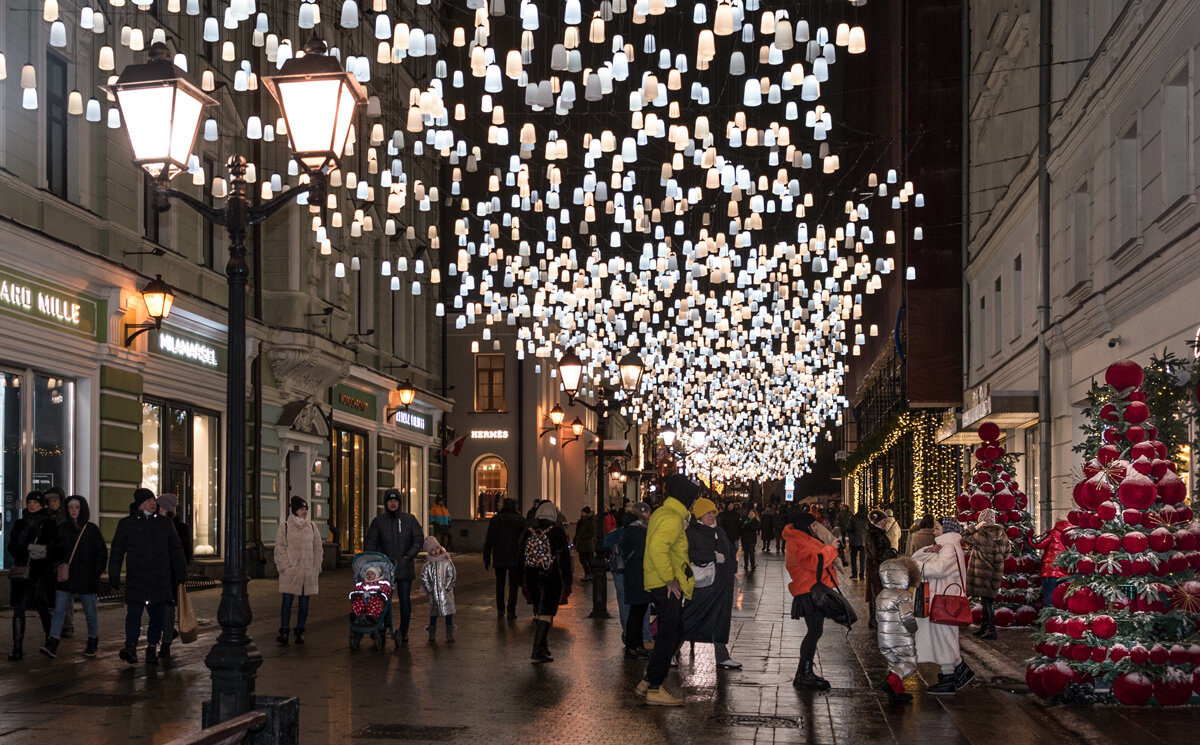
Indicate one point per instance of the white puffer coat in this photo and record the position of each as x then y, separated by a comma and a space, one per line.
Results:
942, 566
298, 556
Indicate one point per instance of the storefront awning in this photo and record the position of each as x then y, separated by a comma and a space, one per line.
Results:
1007, 409
614, 447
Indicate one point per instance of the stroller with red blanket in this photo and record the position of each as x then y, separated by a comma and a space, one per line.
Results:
371, 598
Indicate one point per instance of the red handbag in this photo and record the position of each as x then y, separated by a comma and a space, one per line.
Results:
951, 610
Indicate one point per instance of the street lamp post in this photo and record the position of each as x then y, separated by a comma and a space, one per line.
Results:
161, 112
570, 370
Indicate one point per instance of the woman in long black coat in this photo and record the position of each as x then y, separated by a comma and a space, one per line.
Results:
34, 544
633, 551
546, 558
708, 615
83, 547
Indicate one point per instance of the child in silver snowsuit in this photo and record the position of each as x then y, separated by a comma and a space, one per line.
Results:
897, 625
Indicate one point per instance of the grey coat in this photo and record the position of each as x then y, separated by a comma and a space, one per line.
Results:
894, 614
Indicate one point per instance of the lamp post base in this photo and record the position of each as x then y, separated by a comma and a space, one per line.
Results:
599, 592
233, 668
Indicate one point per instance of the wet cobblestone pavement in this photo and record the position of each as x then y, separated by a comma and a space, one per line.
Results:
482, 689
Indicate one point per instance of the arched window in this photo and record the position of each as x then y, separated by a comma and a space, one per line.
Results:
491, 485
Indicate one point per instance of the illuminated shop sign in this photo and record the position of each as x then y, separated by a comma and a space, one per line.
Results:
489, 434
354, 401
28, 298
189, 350
414, 421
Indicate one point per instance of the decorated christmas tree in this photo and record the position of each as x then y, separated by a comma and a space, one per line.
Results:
993, 486
1121, 620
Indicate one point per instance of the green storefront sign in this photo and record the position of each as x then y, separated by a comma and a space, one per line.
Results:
190, 349
50, 305
353, 401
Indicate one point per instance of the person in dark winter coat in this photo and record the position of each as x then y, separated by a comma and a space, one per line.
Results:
398, 535
149, 547
632, 548
84, 552
167, 504
769, 528
749, 535
33, 543
879, 549
56, 509
730, 522
708, 616
585, 542
546, 560
989, 547
857, 538
502, 551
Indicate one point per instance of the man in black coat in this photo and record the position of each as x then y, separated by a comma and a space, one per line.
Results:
149, 547
502, 550
398, 535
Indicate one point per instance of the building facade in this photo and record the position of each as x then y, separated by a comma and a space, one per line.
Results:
331, 334
1124, 253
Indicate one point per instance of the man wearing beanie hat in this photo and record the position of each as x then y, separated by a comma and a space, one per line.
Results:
668, 577
398, 535
149, 547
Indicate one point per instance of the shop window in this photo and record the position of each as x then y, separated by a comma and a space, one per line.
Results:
409, 476
491, 485
181, 455
489, 382
37, 432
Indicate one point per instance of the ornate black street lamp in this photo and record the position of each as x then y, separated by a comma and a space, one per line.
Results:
161, 112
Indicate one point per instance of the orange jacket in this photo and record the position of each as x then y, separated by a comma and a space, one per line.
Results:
801, 560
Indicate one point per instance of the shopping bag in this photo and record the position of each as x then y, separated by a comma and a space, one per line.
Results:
189, 629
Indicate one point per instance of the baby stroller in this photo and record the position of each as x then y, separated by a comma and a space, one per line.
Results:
381, 628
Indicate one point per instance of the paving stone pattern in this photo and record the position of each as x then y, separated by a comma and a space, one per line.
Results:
482, 690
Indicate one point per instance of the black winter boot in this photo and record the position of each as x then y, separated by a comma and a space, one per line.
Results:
164, 650
945, 685
92, 646
298, 635
806, 678
963, 674
129, 654
282, 639
151, 655
50, 648
18, 626
540, 651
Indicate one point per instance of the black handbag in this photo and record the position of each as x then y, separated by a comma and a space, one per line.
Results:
829, 601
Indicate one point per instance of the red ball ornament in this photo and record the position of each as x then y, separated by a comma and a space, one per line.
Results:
1059, 597
1118, 652
1136, 492
1026, 615
962, 502
1080, 652
1109, 413
1107, 454
1142, 449
980, 501
1010, 564
989, 432
1099, 654
1135, 542
1139, 655
1085, 543
1013, 532
1177, 563
1171, 489
1112, 435
1085, 565
1135, 434
991, 452
1159, 655
1106, 543
1140, 566
1055, 677
1136, 412
1003, 500
1162, 539
1173, 691
1124, 374
1133, 689
1005, 616
1132, 517
1142, 465
1159, 468
1178, 654
1107, 510
1033, 679
1137, 396
1104, 627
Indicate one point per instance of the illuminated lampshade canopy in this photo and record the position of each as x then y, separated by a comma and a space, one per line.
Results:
318, 100
159, 297
699, 437
570, 371
577, 427
668, 436
161, 112
631, 371
556, 415
406, 392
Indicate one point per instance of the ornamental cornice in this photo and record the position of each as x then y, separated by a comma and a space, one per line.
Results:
306, 365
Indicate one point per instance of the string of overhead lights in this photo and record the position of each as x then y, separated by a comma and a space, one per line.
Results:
936, 469
652, 179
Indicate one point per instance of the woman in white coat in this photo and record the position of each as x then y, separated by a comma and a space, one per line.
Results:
298, 559
943, 566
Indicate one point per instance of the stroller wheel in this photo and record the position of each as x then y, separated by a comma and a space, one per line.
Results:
379, 640
355, 640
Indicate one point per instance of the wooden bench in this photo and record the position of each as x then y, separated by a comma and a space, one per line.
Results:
226, 733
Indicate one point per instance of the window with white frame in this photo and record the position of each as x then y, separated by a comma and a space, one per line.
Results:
1177, 159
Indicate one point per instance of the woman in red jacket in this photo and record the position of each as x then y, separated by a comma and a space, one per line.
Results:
803, 549
1052, 542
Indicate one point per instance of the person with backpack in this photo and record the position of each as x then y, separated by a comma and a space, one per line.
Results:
546, 559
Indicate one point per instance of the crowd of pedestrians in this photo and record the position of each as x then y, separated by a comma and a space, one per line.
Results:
676, 562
